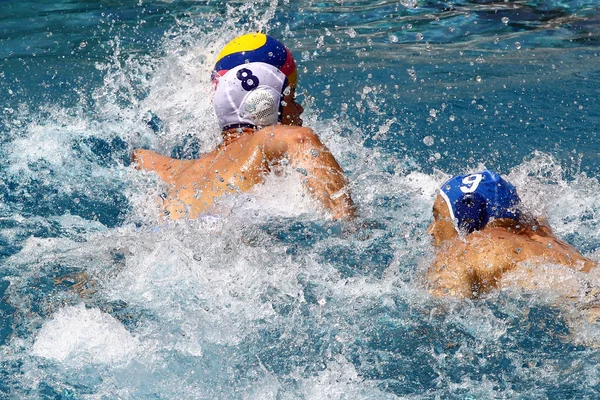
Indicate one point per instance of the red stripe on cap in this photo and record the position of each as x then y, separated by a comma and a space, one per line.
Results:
217, 75
290, 65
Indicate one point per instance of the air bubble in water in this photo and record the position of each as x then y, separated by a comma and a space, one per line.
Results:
478, 78
419, 36
505, 20
350, 32
428, 140
517, 45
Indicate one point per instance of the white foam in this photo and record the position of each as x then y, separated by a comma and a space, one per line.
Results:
340, 380
282, 194
81, 335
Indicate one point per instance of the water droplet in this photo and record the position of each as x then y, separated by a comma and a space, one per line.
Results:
314, 153
452, 118
549, 245
518, 250
478, 78
428, 140
419, 36
517, 45
505, 20
393, 38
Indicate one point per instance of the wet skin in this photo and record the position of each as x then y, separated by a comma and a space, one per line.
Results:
504, 253
242, 161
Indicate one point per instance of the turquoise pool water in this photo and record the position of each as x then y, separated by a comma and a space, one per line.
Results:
270, 300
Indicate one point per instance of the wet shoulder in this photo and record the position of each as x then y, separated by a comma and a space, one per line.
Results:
498, 243
286, 132
279, 138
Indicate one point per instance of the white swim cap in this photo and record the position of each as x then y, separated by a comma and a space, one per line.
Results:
249, 95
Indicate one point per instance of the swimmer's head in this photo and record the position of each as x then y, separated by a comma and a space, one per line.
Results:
476, 199
252, 75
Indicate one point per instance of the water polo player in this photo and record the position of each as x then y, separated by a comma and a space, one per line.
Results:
484, 241
255, 79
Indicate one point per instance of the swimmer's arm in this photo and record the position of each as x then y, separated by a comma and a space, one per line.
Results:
321, 173
166, 167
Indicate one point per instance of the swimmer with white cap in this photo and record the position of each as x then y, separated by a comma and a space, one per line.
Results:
255, 81
485, 241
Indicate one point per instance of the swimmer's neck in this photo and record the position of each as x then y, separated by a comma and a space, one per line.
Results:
233, 134
507, 223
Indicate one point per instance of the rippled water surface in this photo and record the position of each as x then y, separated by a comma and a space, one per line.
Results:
270, 300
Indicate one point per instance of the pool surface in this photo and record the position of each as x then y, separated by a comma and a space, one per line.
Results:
265, 298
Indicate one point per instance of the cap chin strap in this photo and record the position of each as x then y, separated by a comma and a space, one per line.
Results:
241, 125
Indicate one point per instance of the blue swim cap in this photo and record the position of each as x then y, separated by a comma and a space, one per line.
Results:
474, 199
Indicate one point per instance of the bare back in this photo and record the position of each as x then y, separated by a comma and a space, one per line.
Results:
239, 164
494, 256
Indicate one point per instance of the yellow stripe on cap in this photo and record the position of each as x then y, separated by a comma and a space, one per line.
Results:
248, 42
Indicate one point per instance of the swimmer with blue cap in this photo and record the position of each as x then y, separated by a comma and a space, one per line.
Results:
474, 200
485, 241
255, 78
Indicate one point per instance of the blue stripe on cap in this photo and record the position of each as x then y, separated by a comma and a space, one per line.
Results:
273, 52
